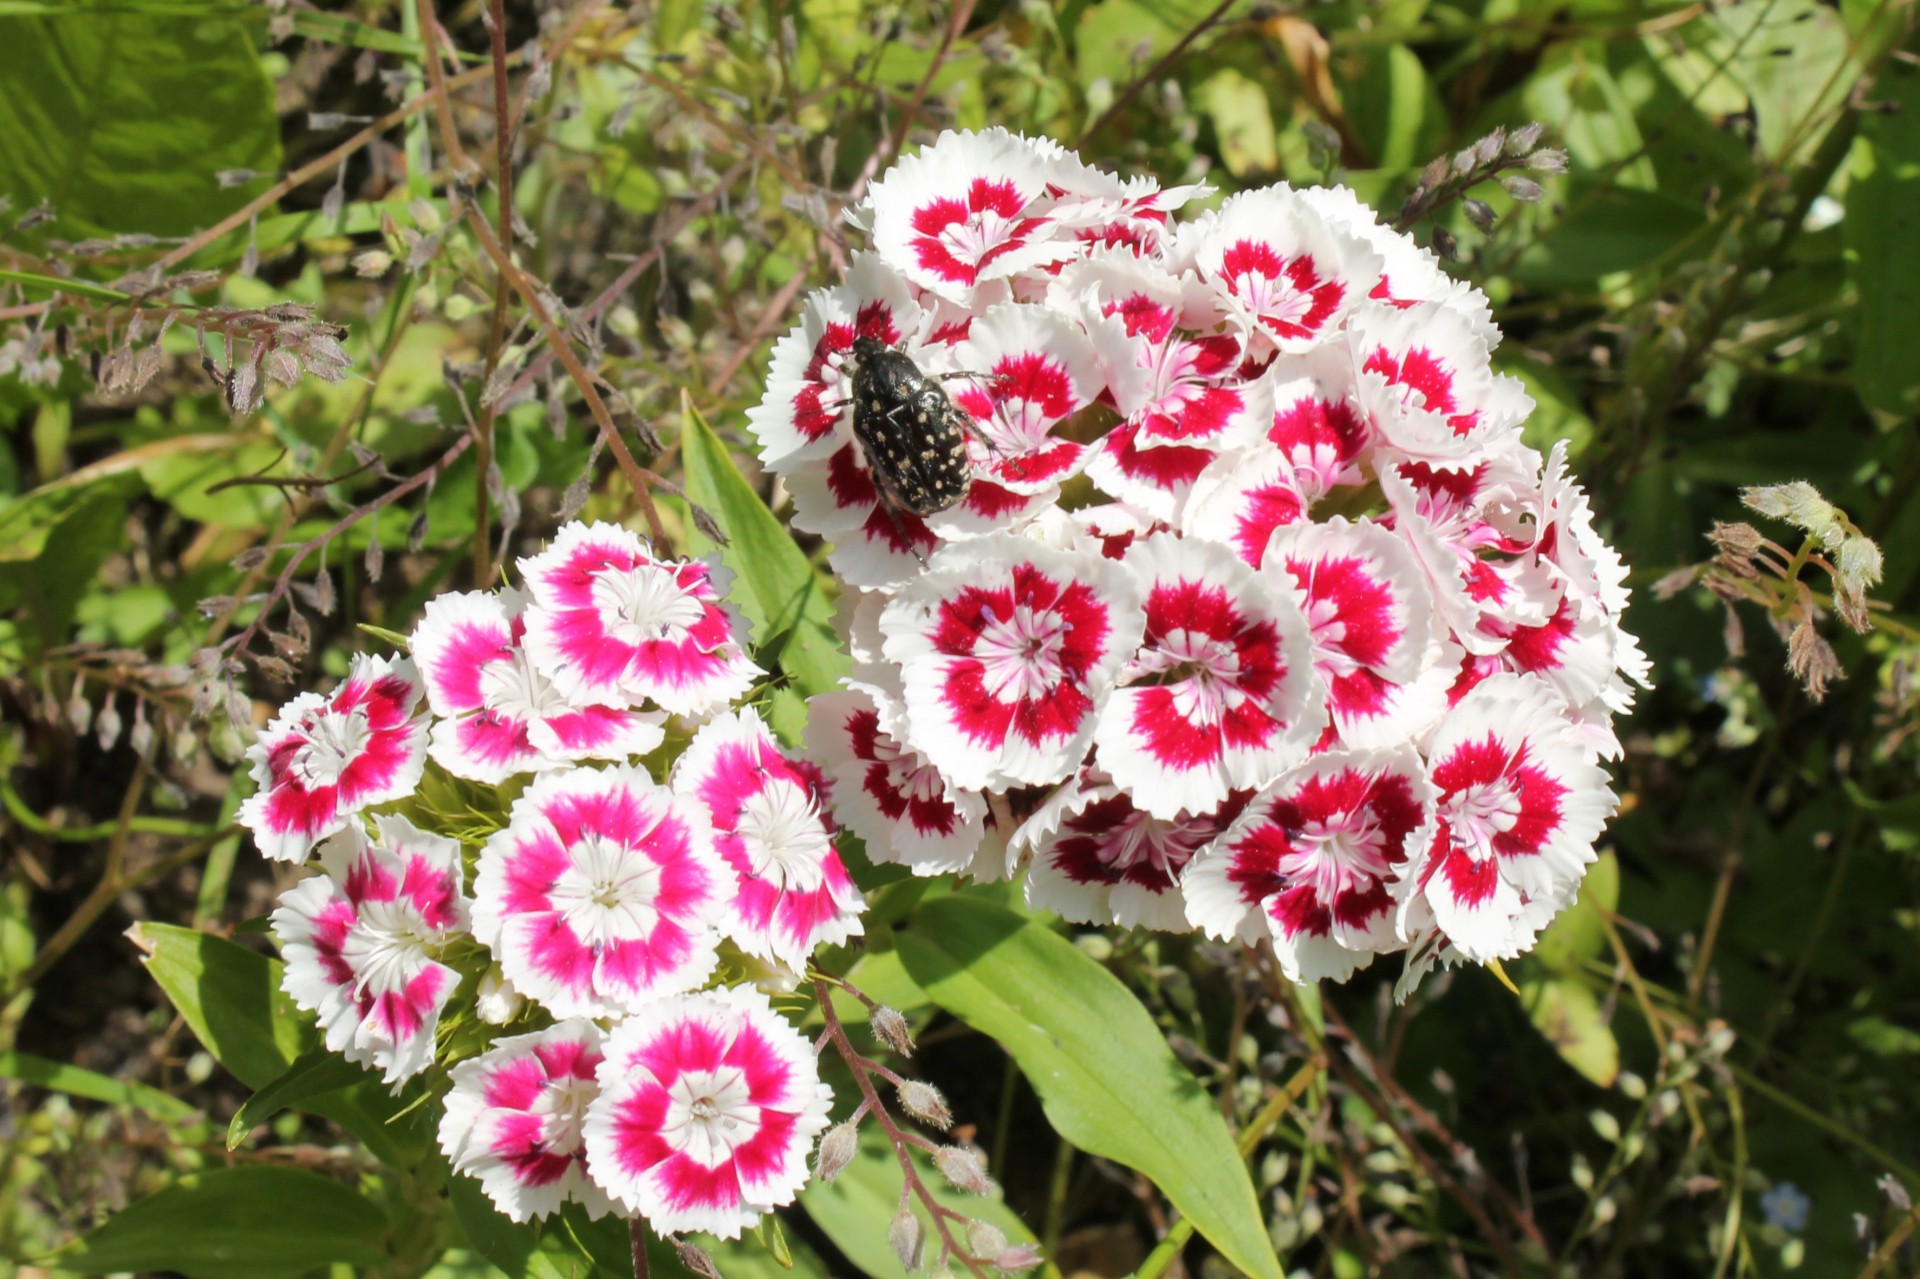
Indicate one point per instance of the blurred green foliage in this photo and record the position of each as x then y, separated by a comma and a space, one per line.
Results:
1720, 293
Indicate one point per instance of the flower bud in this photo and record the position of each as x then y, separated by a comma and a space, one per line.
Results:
1021, 1256
924, 1102
372, 263
1548, 160
497, 1002
1525, 190
985, 1241
695, 1259
904, 1236
837, 1150
963, 1168
890, 1028
1859, 562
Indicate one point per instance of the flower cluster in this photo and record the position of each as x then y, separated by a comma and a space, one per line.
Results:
587, 907
1257, 615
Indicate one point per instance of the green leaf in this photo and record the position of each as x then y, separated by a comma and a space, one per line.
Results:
251, 1222
318, 1072
854, 1208
785, 600
231, 998
1883, 218
1569, 1015
54, 284
121, 118
1390, 107
1242, 121
1105, 1076
76, 1082
521, 1251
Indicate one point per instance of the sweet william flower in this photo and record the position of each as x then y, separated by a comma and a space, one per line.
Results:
1007, 648
324, 758
362, 939
708, 1107
1519, 800
1220, 695
1098, 857
610, 622
1310, 862
900, 806
500, 716
791, 891
514, 1119
602, 893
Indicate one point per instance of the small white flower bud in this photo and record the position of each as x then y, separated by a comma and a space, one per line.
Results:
890, 1028
498, 1002
905, 1236
837, 1150
985, 1241
963, 1168
924, 1102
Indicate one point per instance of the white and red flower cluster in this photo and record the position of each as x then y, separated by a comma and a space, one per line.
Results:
602, 896
1258, 617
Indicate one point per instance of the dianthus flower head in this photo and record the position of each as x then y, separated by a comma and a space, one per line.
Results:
603, 892
515, 1118
612, 623
791, 891
362, 941
1247, 489
324, 758
499, 715
708, 1107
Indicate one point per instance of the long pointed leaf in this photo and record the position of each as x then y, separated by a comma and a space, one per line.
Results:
1105, 1076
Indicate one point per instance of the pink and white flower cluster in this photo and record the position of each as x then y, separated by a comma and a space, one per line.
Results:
1259, 616
555, 886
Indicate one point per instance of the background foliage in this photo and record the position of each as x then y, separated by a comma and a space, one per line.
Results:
1711, 1066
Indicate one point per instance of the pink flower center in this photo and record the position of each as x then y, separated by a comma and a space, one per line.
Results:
645, 602
606, 894
709, 1112
386, 946
1338, 854
561, 1106
1479, 814
1201, 670
334, 739
1158, 848
782, 836
510, 686
1020, 655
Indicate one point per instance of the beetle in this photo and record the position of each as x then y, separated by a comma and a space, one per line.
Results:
913, 435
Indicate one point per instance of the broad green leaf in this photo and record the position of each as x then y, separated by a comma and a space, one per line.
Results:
1243, 121
1788, 55
251, 1222
854, 1208
1569, 1015
76, 1082
1390, 107
784, 599
231, 998
1105, 1076
1883, 219
121, 118
317, 1073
